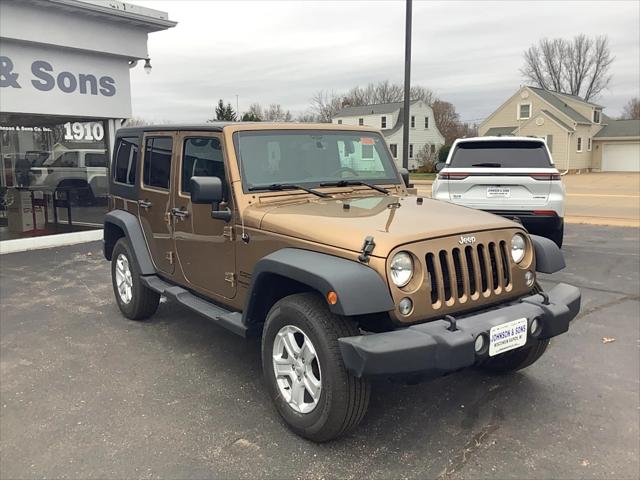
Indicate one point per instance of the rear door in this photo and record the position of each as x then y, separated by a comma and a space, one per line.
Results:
155, 202
500, 174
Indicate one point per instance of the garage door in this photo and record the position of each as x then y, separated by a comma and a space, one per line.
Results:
621, 157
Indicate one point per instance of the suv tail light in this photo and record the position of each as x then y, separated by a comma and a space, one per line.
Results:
545, 176
453, 176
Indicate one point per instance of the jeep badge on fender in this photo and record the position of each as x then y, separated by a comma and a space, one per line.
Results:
306, 237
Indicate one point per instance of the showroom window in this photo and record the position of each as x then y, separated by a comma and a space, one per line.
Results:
53, 177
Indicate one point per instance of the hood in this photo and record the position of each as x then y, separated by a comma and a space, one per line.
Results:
391, 220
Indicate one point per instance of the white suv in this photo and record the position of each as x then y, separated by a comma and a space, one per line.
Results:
510, 176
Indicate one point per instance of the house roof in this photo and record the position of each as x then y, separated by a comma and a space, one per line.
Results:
375, 109
499, 131
577, 98
620, 128
557, 100
557, 120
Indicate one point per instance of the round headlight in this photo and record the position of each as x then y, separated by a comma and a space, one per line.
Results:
518, 247
401, 269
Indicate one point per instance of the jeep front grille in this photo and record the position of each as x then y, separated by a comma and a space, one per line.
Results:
468, 273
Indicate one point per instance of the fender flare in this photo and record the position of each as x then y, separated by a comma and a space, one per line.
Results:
130, 226
549, 257
361, 290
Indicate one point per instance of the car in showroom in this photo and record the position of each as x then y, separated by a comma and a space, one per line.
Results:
510, 176
306, 236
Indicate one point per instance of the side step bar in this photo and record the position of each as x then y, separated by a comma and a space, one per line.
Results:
230, 320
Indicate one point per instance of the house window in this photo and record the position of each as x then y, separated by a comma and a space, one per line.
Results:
339, 122
394, 150
596, 116
579, 149
411, 150
589, 144
383, 122
413, 121
426, 122
433, 149
524, 111
549, 140
361, 121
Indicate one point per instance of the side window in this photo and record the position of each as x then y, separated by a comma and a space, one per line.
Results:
95, 160
157, 162
202, 157
67, 159
126, 163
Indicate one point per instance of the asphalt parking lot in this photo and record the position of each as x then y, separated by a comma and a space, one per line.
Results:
85, 393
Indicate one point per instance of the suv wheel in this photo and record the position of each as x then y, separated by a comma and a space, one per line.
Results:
516, 359
135, 300
304, 372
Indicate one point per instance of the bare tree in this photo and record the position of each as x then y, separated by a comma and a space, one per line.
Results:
136, 122
324, 105
306, 117
385, 92
447, 120
631, 110
579, 66
275, 113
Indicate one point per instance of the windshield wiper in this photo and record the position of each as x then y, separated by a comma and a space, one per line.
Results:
487, 164
355, 183
287, 186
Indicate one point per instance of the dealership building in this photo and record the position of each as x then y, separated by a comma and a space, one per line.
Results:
64, 90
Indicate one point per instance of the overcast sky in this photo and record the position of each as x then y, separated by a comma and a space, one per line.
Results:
468, 53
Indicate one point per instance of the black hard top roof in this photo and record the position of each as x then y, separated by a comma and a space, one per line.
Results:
202, 127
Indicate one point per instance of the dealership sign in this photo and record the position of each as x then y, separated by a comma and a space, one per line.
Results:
62, 82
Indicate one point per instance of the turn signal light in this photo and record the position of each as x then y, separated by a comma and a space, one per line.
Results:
332, 297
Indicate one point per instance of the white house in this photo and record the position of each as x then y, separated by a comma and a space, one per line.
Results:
388, 117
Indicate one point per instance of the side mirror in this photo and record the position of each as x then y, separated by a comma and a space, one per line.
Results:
206, 190
404, 173
440, 166
209, 190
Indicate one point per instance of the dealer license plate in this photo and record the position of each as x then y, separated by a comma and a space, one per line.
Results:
498, 192
507, 336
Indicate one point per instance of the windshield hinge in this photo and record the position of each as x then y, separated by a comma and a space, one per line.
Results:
367, 248
227, 232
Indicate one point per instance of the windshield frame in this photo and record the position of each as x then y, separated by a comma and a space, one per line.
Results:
396, 180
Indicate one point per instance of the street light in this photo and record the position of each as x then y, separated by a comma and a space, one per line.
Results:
407, 85
147, 66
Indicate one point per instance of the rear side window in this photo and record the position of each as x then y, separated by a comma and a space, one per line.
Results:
95, 160
157, 162
126, 160
202, 158
500, 154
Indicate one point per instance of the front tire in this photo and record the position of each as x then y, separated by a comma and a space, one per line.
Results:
312, 390
135, 300
516, 359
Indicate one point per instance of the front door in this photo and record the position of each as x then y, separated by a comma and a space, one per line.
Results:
204, 245
155, 202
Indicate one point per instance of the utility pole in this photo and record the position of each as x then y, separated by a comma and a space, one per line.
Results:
237, 109
407, 86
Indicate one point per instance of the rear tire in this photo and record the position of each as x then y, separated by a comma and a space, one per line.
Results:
342, 400
135, 300
516, 359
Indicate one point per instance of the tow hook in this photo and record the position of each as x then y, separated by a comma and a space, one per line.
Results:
452, 323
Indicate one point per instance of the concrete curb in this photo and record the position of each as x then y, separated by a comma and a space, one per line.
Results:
49, 241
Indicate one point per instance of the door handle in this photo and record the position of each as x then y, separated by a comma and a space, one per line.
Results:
145, 203
179, 213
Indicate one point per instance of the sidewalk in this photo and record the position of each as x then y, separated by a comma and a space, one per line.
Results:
593, 198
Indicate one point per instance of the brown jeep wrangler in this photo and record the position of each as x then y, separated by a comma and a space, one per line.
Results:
307, 236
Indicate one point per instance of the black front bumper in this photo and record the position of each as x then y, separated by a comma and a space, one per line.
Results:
432, 349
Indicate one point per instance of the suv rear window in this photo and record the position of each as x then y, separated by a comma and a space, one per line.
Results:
500, 154
157, 162
126, 161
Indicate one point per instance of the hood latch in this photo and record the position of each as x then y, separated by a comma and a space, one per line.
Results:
367, 248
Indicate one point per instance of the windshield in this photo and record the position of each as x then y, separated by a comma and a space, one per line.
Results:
500, 154
310, 158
